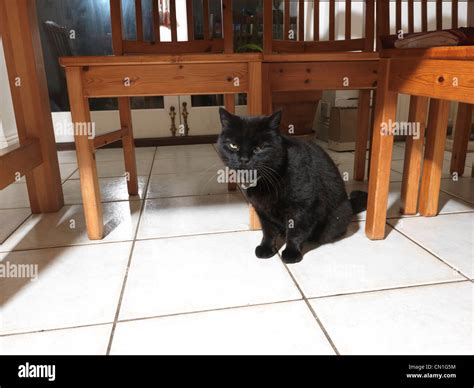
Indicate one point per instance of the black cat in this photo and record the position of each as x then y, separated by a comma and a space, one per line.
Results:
299, 193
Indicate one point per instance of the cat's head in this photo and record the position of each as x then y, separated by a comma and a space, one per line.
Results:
249, 143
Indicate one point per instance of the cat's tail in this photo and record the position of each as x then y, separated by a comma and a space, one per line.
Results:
358, 201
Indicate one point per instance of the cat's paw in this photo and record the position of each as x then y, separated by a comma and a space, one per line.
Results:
265, 252
291, 256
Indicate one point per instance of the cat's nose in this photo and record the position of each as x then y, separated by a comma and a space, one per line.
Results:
244, 160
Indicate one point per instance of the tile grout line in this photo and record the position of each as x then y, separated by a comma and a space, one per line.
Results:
237, 307
363, 292
14, 231
305, 299
132, 248
429, 252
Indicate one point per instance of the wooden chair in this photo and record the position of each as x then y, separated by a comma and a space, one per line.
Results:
141, 68
300, 65
423, 74
35, 156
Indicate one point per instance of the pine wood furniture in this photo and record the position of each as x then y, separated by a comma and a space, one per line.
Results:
35, 157
162, 68
300, 65
443, 74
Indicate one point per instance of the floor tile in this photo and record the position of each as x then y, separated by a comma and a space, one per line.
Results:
186, 151
194, 215
11, 219
74, 286
450, 237
181, 185
356, 264
116, 154
111, 189
462, 188
422, 320
286, 328
187, 165
397, 165
67, 157
14, 196
67, 170
202, 273
67, 227
447, 203
117, 169
84, 341
347, 172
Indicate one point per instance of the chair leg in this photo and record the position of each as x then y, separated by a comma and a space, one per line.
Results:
462, 134
229, 101
255, 102
128, 143
434, 156
414, 156
85, 157
382, 147
363, 120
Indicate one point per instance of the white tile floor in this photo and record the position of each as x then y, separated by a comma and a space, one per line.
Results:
176, 273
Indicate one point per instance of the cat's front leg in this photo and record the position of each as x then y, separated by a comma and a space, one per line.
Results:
267, 248
298, 232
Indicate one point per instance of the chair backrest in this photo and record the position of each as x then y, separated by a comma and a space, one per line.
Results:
294, 41
122, 46
421, 23
58, 38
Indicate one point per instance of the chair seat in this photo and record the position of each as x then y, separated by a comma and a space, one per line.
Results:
157, 59
322, 57
462, 53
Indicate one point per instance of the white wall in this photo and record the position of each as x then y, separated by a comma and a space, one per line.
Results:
8, 132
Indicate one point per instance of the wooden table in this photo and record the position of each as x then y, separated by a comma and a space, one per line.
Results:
443, 74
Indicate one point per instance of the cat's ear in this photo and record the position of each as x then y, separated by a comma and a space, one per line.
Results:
275, 120
227, 118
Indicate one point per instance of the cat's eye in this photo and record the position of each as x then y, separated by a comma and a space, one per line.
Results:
257, 150
233, 147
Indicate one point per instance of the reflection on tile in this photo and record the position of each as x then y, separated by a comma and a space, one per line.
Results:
67, 227
14, 196
112, 169
111, 189
186, 151
181, 185
11, 219
194, 215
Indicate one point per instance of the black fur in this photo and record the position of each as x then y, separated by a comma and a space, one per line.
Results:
300, 193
